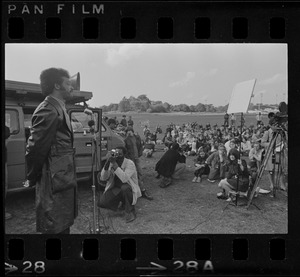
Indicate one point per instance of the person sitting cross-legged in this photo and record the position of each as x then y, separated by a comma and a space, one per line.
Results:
216, 162
236, 176
201, 168
122, 184
148, 148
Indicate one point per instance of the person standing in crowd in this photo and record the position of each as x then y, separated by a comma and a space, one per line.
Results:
232, 119
201, 168
146, 131
243, 120
226, 119
216, 162
50, 156
7, 135
258, 119
130, 122
122, 184
272, 166
134, 151
124, 121
236, 176
171, 165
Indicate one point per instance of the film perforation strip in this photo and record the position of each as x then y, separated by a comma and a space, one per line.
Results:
91, 248
203, 26
128, 28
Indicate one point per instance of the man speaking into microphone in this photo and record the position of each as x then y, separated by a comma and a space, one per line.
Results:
50, 156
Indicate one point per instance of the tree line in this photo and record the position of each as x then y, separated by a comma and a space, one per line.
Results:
143, 104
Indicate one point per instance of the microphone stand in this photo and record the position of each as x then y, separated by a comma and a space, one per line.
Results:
95, 230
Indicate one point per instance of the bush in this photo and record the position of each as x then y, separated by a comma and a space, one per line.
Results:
158, 109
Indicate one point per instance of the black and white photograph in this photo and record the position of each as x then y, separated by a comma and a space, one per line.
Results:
170, 138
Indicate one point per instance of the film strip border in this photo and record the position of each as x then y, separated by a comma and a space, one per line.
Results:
149, 22
156, 22
163, 255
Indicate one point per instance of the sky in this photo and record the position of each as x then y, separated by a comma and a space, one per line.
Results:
174, 73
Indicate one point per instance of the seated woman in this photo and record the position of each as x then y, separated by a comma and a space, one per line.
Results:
257, 135
168, 140
255, 155
149, 148
201, 168
236, 176
245, 146
216, 162
194, 148
171, 165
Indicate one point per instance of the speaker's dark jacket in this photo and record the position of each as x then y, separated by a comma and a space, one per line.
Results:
51, 165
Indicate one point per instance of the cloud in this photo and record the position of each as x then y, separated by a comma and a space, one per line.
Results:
277, 78
183, 82
211, 72
116, 56
203, 98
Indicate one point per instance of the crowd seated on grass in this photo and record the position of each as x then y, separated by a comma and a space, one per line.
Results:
222, 153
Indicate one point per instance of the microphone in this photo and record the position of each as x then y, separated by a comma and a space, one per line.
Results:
91, 123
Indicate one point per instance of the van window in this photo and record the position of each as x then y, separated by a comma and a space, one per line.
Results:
103, 129
80, 122
12, 121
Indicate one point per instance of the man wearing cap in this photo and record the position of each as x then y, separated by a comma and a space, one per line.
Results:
134, 149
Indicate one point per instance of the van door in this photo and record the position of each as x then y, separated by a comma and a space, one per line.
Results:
86, 141
16, 144
105, 140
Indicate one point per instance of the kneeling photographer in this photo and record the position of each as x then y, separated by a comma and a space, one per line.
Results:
122, 183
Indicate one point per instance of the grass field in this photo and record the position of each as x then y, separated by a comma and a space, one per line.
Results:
182, 208
163, 120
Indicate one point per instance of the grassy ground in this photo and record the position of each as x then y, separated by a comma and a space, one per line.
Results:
182, 208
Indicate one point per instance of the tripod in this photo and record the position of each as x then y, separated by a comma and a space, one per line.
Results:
270, 151
95, 228
237, 193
